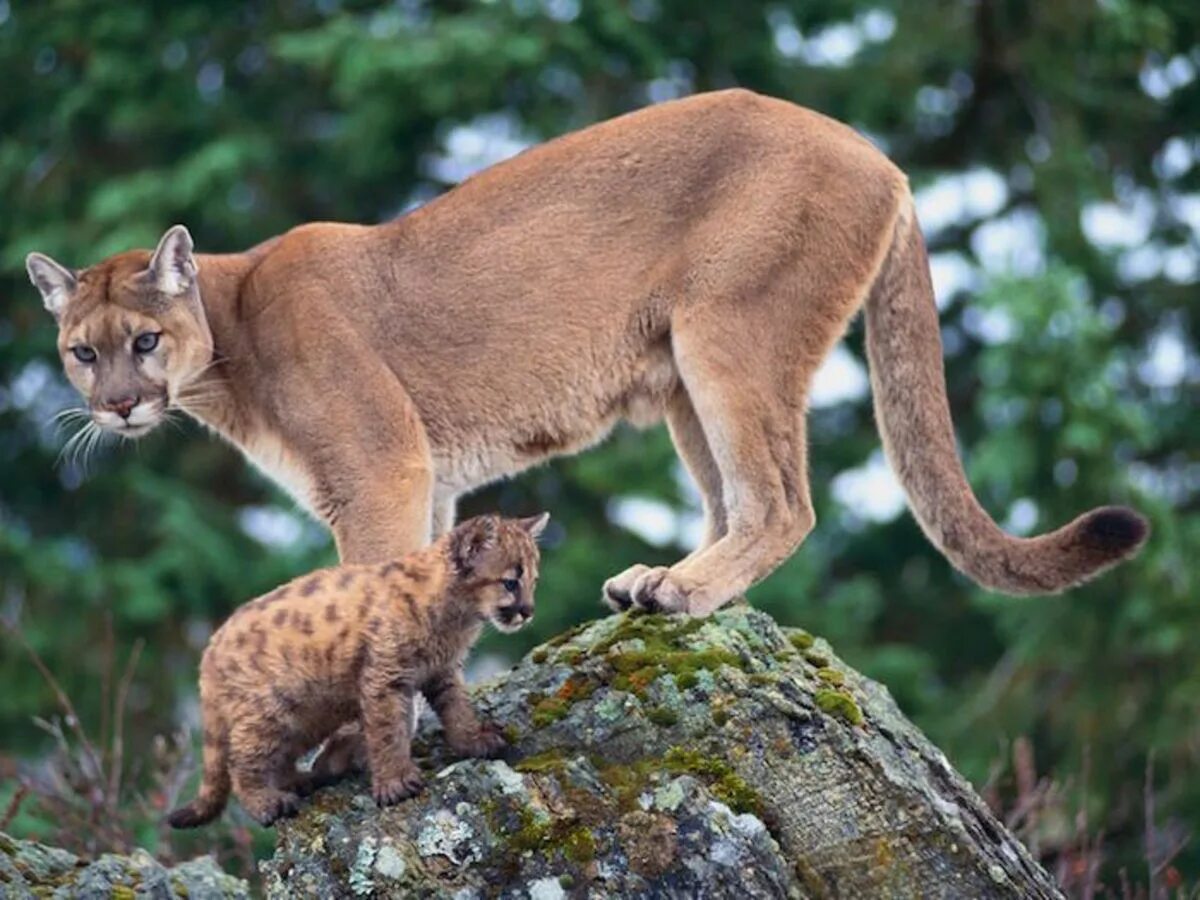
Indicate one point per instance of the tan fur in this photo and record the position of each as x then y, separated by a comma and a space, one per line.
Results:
694, 261
286, 670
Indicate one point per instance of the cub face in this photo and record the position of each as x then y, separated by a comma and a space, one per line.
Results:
497, 559
132, 331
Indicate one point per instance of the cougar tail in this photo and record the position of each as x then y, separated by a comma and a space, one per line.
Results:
215, 785
905, 351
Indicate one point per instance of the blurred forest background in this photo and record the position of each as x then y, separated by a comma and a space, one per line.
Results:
1055, 152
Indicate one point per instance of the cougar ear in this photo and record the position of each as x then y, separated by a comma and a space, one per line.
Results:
56, 283
173, 267
470, 539
535, 525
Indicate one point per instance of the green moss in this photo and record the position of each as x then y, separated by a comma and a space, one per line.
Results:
570, 656
534, 833
566, 882
819, 660
548, 761
737, 794
511, 733
560, 639
540, 655
548, 711
763, 678
638, 669
578, 845
531, 832
724, 783
662, 716
831, 676
839, 703
720, 716
801, 640
685, 680
627, 781
122, 892
657, 632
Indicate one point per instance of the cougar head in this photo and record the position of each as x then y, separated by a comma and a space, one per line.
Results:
132, 333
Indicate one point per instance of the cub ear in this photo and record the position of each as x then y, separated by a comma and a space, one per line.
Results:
173, 267
470, 539
535, 525
56, 283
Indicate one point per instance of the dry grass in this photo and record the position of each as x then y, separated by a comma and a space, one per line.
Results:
1056, 829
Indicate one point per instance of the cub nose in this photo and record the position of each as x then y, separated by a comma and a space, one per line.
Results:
122, 406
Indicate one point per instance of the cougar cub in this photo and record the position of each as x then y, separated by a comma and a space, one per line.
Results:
287, 669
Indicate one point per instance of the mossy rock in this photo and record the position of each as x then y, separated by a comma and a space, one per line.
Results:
668, 756
29, 869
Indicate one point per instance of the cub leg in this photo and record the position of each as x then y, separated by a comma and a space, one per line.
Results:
692, 447
262, 765
447, 694
387, 704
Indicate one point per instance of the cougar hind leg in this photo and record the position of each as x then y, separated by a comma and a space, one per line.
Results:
692, 446
746, 364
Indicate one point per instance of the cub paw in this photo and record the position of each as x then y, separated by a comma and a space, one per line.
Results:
406, 783
618, 590
266, 811
486, 743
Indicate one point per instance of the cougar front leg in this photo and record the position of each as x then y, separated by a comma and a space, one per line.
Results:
367, 455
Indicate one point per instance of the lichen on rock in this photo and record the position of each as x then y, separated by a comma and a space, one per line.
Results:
29, 869
667, 756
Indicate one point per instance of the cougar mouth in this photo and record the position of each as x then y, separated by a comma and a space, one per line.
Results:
145, 416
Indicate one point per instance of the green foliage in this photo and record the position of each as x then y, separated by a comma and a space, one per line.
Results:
242, 120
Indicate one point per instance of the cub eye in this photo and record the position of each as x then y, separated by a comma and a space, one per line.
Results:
511, 585
84, 353
145, 342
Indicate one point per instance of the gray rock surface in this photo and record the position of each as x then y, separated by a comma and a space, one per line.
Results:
29, 869
658, 756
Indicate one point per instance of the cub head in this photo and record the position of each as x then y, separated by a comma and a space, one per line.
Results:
497, 560
132, 332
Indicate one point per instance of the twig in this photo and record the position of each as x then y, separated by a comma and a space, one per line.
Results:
117, 761
14, 806
63, 700
1148, 803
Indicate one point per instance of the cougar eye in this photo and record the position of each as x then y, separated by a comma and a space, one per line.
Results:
146, 341
84, 353
511, 585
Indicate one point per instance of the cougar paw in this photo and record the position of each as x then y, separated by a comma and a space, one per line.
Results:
486, 743
405, 783
657, 590
618, 590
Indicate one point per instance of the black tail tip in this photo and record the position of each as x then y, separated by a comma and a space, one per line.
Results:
1115, 531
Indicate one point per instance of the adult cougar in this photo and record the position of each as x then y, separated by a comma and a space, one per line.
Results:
694, 261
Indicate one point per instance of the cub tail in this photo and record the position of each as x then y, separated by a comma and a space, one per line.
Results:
215, 785
908, 382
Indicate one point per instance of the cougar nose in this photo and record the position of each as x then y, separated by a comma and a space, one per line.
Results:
122, 407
